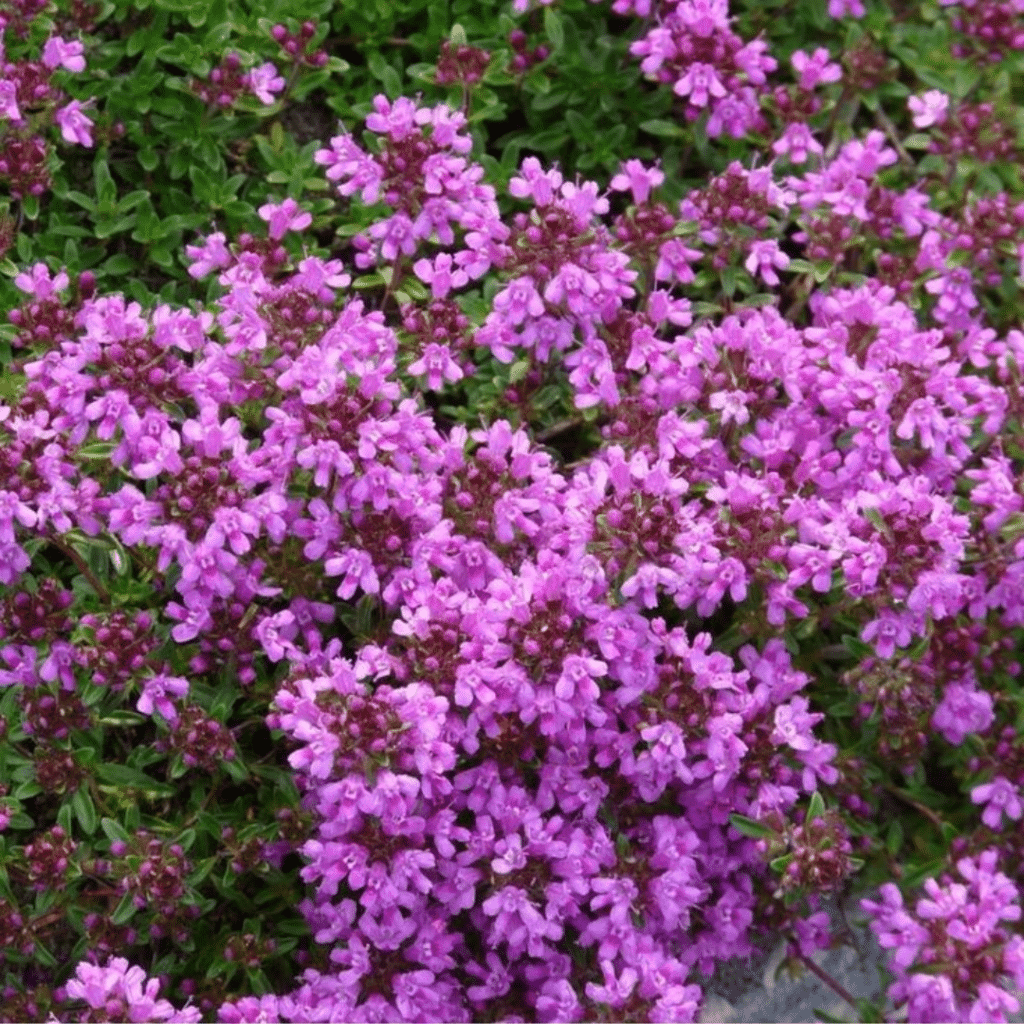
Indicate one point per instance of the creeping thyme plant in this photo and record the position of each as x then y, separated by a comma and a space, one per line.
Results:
507, 507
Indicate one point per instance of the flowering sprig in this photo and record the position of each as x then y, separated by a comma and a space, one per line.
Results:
949, 952
120, 991
712, 69
227, 82
31, 101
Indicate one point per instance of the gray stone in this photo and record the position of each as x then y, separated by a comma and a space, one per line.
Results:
761, 989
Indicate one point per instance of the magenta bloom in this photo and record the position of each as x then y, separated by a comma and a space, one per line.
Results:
764, 257
1000, 797
156, 693
58, 53
700, 83
441, 275
518, 300
38, 283
9, 101
211, 255
263, 82
125, 993
635, 178
929, 109
816, 68
888, 632
283, 217
437, 366
74, 125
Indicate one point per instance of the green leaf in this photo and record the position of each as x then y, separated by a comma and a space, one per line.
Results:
919, 140
223, 700
368, 281
64, 817
106, 188
114, 830
126, 719
118, 265
518, 371
581, 128
816, 808
876, 518
550, 139
239, 208
217, 36
730, 278
870, 1012
553, 28
149, 227
857, 647
11, 385
132, 778
202, 870
283, 781
750, 828
259, 982
415, 290
203, 185
84, 810
125, 910
662, 129
829, 1018
537, 82
43, 956
384, 73
27, 790
894, 838
798, 266
81, 199
132, 199
919, 648
235, 770
209, 824
106, 228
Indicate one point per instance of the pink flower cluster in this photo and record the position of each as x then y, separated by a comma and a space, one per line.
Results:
509, 644
948, 952
693, 48
31, 101
120, 992
227, 82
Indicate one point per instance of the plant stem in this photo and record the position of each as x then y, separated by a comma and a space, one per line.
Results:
82, 567
559, 428
828, 979
917, 805
890, 129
